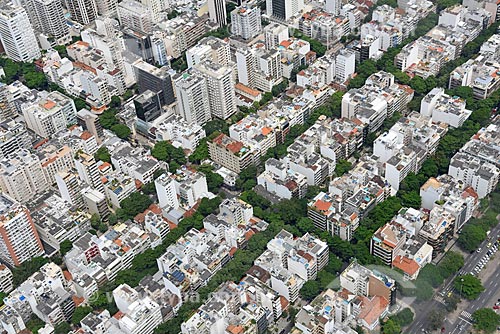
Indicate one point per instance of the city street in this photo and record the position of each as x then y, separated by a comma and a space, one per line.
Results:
486, 300
491, 285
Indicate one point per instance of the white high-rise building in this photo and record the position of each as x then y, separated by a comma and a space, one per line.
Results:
107, 8
47, 17
82, 11
283, 10
345, 65
87, 170
44, 122
69, 187
210, 49
17, 35
220, 88
274, 34
192, 97
96, 87
217, 12
165, 190
246, 21
21, 176
333, 6
135, 15
155, 7
19, 241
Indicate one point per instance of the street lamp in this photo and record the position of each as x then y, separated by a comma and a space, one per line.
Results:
461, 285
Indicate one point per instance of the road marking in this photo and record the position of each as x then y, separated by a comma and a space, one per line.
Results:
466, 315
470, 323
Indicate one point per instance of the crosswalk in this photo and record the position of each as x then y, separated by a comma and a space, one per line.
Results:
466, 315
462, 272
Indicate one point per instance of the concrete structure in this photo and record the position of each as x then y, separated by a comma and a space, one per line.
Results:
19, 241
16, 34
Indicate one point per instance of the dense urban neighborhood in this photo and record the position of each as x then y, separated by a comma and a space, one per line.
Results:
249, 167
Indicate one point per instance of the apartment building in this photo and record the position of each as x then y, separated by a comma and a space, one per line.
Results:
220, 88
444, 108
231, 153
279, 180
19, 240
13, 137
181, 133
211, 49
22, 176
17, 35
482, 177
438, 230
189, 264
246, 21
364, 282
192, 97
57, 220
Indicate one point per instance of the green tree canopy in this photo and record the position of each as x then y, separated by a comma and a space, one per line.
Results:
103, 154
342, 167
132, 205
62, 328
435, 319
486, 320
80, 313
121, 131
26, 269
404, 317
65, 247
451, 263
165, 151
391, 327
468, 286
471, 237
310, 290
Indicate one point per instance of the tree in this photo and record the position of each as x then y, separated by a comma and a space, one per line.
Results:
424, 291
404, 317
102, 227
112, 219
103, 154
411, 199
471, 237
391, 327
116, 102
172, 14
435, 319
65, 247
134, 204
26, 269
451, 263
34, 79
451, 302
310, 290
108, 118
80, 313
80, 104
486, 320
208, 206
34, 324
95, 220
149, 188
342, 167
418, 84
431, 274
62, 328
165, 151
121, 131
468, 286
